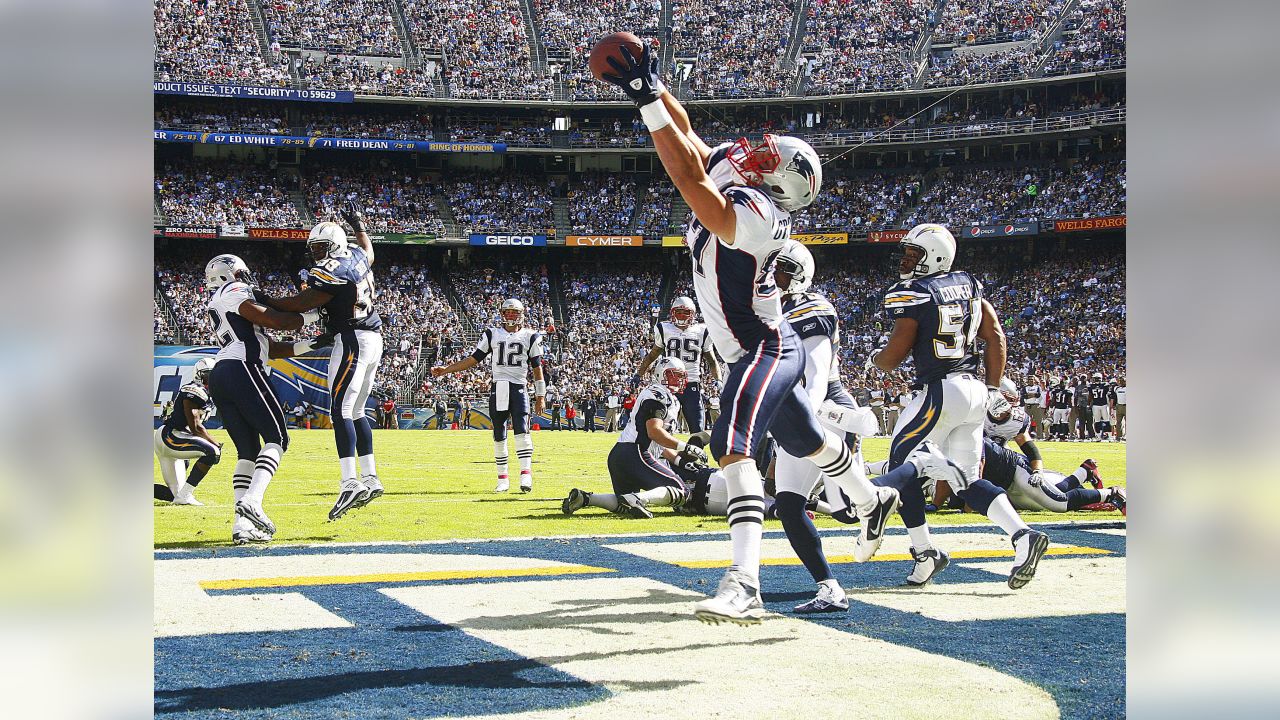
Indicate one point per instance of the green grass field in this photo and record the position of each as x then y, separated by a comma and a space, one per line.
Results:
439, 486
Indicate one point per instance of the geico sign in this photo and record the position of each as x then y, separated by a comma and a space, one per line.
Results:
508, 240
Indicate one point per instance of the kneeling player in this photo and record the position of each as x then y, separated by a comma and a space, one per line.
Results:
636, 468
182, 437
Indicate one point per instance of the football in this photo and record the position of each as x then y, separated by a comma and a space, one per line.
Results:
611, 46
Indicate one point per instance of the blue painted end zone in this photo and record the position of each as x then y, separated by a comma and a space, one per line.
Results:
398, 663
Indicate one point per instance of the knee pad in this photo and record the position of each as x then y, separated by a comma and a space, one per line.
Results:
980, 495
212, 458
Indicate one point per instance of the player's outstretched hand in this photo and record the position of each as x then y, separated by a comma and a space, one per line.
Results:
638, 77
351, 213
870, 365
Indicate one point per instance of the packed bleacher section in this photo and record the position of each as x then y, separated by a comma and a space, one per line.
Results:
611, 308
359, 27
972, 68
486, 46
723, 48
164, 332
414, 312
1093, 39
488, 202
858, 202
973, 22
215, 116
512, 131
206, 193
392, 200
738, 46
366, 122
212, 43
179, 276
982, 196
861, 46
569, 29
653, 215
602, 203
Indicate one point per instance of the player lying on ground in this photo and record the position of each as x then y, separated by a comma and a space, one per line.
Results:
341, 287
741, 197
514, 351
238, 385
637, 469
1039, 490
939, 316
183, 437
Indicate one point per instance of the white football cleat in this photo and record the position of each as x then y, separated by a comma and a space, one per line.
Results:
375, 488
736, 600
352, 494
256, 515
526, 481
249, 536
873, 517
928, 564
504, 484
1028, 547
830, 598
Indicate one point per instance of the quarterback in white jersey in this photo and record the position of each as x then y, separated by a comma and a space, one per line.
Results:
681, 337
638, 466
239, 387
513, 351
741, 195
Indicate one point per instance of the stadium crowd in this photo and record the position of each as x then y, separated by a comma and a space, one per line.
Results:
485, 202
570, 29
858, 202
370, 123
392, 202
486, 46
987, 21
654, 214
206, 193
969, 68
738, 46
360, 27
212, 42
861, 46
1093, 39
602, 203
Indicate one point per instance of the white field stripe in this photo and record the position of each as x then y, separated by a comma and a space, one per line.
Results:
638, 638
825, 532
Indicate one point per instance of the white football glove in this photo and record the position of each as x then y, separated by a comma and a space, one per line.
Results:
997, 404
1035, 479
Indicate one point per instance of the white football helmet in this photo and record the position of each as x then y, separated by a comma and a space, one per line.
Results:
331, 237
938, 246
224, 269
512, 314
1010, 391
683, 311
796, 260
204, 366
785, 168
671, 372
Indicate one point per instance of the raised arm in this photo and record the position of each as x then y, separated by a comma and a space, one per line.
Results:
351, 213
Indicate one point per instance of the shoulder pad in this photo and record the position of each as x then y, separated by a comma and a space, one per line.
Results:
195, 389
906, 293
325, 276
750, 198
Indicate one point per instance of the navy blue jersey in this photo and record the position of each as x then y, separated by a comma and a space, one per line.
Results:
1100, 394
1002, 463
1060, 398
350, 281
948, 309
193, 393
812, 315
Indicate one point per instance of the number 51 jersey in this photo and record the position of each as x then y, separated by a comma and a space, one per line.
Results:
948, 308
511, 354
350, 281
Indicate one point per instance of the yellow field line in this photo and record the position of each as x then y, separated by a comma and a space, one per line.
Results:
276, 582
955, 555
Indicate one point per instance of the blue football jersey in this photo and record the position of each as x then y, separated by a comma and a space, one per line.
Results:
350, 281
948, 310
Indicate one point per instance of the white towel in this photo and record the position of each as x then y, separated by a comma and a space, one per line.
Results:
501, 395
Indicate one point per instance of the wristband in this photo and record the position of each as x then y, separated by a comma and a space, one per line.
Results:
310, 316
302, 347
540, 388
655, 116
680, 446
1031, 451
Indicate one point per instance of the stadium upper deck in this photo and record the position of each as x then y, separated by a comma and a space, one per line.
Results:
711, 49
